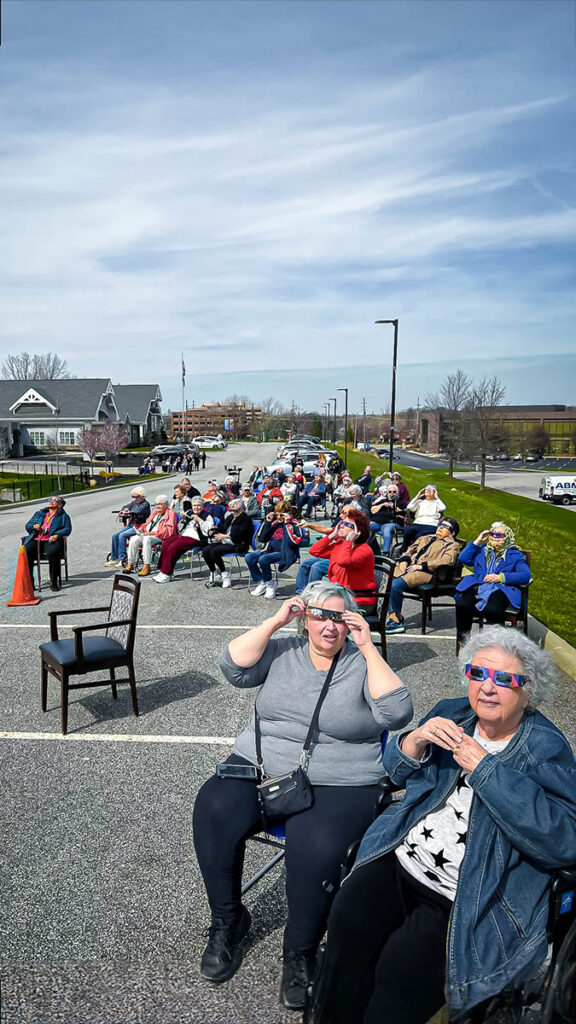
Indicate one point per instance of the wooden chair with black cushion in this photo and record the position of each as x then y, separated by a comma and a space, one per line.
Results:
443, 586
86, 654
512, 616
376, 617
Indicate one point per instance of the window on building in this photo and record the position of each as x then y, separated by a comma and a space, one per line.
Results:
37, 437
67, 437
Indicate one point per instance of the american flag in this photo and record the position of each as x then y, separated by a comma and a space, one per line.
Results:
183, 372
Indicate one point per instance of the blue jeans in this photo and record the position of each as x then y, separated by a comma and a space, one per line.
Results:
311, 569
399, 585
259, 563
119, 541
386, 531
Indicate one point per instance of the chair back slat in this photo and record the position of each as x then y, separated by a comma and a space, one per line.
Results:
123, 605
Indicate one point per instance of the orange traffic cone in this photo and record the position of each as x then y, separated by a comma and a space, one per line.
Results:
23, 592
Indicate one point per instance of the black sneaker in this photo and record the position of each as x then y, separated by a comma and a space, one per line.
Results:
297, 973
221, 958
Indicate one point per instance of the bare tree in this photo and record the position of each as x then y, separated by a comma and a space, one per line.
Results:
451, 400
112, 439
46, 366
275, 417
484, 431
89, 441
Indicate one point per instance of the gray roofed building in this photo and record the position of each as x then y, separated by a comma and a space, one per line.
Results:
139, 407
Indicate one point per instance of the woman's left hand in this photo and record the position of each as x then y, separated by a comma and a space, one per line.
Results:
492, 577
468, 753
359, 628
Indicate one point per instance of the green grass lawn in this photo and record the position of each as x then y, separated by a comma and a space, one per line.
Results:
547, 531
45, 485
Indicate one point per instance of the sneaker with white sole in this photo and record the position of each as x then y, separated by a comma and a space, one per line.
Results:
270, 591
226, 580
259, 589
161, 577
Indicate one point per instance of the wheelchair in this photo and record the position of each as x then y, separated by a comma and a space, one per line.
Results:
548, 998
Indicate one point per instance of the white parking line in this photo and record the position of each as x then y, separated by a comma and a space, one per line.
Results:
69, 625
105, 737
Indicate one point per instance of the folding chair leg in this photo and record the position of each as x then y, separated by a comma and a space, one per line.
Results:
43, 685
113, 684
132, 678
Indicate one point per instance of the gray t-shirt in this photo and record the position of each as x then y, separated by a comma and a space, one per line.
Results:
347, 749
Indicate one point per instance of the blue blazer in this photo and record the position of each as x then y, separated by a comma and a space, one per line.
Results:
60, 526
514, 566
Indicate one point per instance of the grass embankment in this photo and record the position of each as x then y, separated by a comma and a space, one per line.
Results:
547, 531
44, 485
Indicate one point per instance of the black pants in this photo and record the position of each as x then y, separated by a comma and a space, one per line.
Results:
212, 555
226, 813
50, 549
386, 951
466, 609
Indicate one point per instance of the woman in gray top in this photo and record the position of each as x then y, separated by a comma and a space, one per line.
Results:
364, 700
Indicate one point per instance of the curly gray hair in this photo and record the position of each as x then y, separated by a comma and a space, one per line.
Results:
537, 664
320, 590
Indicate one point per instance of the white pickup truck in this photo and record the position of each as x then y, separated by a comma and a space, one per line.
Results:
561, 490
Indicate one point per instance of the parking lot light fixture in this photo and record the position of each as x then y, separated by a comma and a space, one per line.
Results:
393, 403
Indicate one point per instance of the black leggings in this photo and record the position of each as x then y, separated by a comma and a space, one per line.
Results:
466, 609
386, 951
212, 555
226, 813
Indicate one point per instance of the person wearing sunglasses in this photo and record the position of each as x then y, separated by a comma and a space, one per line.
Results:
350, 557
429, 558
498, 570
365, 698
448, 898
161, 524
45, 531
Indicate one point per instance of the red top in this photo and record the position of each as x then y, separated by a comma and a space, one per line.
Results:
273, 493
351, 565
44, 531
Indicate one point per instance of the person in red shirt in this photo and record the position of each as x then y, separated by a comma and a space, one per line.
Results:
351, 560
269, 496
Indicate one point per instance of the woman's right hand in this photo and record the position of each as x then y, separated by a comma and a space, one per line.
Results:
482, 537
289, 610
441, 731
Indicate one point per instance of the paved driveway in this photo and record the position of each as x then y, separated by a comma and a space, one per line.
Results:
522, 482
102, 907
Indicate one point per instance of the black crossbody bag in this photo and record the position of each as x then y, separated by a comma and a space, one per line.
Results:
288, 794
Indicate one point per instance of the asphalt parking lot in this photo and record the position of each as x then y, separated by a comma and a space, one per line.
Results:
102, 907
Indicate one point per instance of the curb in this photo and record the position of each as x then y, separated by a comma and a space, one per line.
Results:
562, 653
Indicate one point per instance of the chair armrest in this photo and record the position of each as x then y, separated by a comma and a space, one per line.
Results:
79, 630
70, 611
386, 795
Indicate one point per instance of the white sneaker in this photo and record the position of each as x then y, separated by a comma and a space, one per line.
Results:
226, 580
259, 589
270, 590
161, 577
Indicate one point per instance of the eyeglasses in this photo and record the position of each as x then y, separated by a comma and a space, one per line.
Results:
324, 613
497, 534
479, 673
347, 524
445, 526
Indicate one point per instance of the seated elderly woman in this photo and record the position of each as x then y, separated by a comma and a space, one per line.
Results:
46, 531
250, 501
364, 699
314, 568
281, 536
498, 569
269, 494
234, 539
132, 515
350, 558
195, 530
448, 898
313, 494
429, 558
427, 509
160, 525
181, 503
385, 511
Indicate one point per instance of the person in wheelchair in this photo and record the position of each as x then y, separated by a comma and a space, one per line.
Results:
448, 898
365, 698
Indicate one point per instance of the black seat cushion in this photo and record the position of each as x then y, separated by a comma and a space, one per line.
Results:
95, 648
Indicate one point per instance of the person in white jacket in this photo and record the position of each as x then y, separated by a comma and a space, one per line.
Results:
428, 510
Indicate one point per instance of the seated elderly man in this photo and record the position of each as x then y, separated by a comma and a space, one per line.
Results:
161, 523
250, 502
429, 558
312, 494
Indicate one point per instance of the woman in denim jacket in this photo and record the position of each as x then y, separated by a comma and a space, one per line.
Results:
448, 899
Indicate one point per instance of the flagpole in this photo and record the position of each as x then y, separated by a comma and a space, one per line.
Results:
183, 408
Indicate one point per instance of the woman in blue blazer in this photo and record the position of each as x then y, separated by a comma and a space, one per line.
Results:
498, 570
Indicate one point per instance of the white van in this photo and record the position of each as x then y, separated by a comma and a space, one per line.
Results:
561, 490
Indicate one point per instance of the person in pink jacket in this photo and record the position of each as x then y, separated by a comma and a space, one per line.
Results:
351, 560
161, 523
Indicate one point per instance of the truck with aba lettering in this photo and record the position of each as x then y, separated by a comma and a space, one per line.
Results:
561, 490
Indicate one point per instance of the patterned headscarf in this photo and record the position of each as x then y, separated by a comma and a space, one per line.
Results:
499, 550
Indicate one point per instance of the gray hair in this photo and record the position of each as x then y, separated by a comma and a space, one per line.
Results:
320, 590
162, 499
237, 503
355, 489
537, 664
139, 490
431, 487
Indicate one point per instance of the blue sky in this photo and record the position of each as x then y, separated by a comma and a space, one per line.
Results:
255, 183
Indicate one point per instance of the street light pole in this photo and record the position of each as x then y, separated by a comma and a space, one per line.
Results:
334, 424
345, 390
326, 408
393, 403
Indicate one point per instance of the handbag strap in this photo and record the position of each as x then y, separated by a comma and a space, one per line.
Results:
313, 724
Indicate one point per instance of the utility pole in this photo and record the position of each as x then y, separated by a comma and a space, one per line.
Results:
364, 417
418, 421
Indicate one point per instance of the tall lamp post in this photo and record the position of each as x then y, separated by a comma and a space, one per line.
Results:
334, 424
345, 425
393, 403
326, 408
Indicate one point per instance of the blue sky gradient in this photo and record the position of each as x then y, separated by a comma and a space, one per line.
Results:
255, 183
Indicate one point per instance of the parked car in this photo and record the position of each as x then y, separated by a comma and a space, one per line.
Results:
533, 457
172, 449
518, 457
503, 457
382, 453
208, 441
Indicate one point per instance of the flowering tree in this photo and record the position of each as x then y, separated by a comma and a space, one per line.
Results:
89, 441
112, 439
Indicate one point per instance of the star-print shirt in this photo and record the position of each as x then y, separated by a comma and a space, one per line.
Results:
434, 848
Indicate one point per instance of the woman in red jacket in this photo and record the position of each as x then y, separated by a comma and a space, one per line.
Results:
351, 560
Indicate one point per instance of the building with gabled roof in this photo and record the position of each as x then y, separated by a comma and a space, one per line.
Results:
139, 408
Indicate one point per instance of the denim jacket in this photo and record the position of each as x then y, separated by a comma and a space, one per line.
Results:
522, 825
